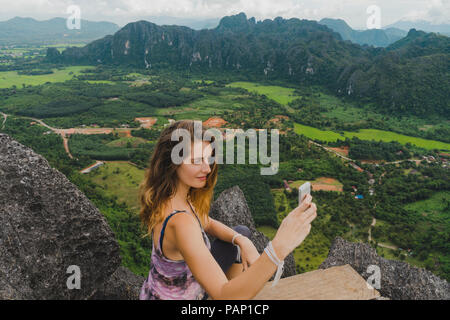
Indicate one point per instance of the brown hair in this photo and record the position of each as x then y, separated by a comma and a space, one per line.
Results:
161, 179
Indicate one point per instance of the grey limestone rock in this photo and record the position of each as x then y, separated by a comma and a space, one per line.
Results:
47, 225
399, 280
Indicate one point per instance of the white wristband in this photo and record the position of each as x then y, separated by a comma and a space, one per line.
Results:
280, 264
234, 237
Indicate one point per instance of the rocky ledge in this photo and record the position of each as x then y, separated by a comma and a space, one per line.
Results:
398, 280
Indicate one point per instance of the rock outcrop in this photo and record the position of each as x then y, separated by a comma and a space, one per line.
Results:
46, 226
122, 285
399, 280
231, 209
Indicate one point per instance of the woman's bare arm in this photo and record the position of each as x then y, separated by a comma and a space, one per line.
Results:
220, 231
207, 271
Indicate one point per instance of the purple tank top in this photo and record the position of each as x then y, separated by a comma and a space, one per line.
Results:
171, 279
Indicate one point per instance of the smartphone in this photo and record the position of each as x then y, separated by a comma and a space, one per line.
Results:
302, 190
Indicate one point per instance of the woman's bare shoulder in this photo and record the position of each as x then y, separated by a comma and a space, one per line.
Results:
183, 218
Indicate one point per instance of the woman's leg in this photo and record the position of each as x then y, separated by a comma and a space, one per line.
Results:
225, 253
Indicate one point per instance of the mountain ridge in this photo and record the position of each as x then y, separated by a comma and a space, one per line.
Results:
443, 28
298, 51
27, 30
374, 37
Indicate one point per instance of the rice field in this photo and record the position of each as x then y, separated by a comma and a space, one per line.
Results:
315, 133
11, 78
369, 134
279, 94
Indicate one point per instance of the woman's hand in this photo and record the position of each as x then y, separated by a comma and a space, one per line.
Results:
249, 254
294, 228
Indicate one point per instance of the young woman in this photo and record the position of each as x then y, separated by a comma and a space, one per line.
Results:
175, 202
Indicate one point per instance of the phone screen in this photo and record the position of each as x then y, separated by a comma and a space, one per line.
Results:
302, 190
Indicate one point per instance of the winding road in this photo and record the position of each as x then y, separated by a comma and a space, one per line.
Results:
374, 221
66, 132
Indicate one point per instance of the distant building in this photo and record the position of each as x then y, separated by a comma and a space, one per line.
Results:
286, 185
371, 181
359, 196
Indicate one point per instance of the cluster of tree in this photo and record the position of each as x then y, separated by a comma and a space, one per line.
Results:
94, 146
148, 134
35, 72
376, 150
59, 108
253, 185
163, 99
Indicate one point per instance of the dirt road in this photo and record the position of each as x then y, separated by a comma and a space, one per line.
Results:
65, 133
374, 221
4, 116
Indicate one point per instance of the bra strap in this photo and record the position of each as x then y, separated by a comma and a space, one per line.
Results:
161, 237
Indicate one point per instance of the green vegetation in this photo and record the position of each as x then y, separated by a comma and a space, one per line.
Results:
371, 150
366, 134
119, 180
104, 147
115, 103
438, 205
12, 78
320, 109
279, 94
369, 134
317, 134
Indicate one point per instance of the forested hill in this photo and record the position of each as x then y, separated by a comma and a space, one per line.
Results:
409, 77
374, 37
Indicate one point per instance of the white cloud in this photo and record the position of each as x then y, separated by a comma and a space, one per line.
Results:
436, 11
123, 11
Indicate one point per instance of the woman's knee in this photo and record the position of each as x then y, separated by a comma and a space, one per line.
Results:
244, 230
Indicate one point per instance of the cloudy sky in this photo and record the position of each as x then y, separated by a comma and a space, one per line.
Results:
124, 11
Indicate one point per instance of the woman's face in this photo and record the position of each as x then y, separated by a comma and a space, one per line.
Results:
193, 173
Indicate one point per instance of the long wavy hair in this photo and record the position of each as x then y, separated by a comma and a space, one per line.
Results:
161, 179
